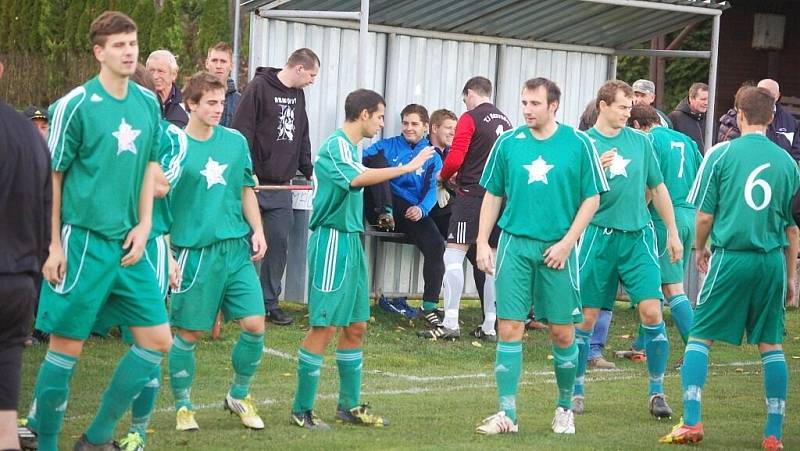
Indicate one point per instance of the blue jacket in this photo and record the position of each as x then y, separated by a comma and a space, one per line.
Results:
231, 102
419, 187
784, 132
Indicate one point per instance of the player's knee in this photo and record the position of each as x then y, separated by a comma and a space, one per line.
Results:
562, 335
589, 318
66, 346
650, 312
510, 330
355, 332
672, 289
253, 324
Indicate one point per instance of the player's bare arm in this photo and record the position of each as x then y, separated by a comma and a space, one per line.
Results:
490, 210
791, 264
253, 217
161, 187
702, 231
663, 204
375, 176
56, 264
556, 255
137, 238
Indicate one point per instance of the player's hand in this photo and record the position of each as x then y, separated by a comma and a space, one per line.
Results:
484, 257
423, 156
555, 256
55, 266
442, 195
452, 182
259, 246
607, 158
674, 247
174, 273
791, 292
414, 213
702, 256
162, 184
135, 243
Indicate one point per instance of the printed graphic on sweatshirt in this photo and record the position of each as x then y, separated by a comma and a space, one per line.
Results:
286, 123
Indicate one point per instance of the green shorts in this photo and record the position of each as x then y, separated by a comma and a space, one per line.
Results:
743, 292
156, 254
337, 279
94, 281
217, 277
608, 256
674, 272
522, 279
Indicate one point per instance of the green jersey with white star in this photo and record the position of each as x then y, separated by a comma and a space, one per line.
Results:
103, 145
206, 201
544, 181
679, 160
336, 204
748, 185
634, 168
171, 153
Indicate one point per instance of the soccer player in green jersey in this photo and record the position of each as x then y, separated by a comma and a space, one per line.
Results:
679, 159
104, 144
338, 296
550, 178
743, 192
619, 244
216, 232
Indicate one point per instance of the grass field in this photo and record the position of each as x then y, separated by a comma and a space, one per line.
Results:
435, 393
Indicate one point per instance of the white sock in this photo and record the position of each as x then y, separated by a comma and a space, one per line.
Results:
489, 306
453, 284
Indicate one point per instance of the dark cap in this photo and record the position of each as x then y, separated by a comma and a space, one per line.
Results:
34, 112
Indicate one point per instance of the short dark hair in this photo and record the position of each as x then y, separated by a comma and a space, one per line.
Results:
303, 57
696, 88
439, 116
589, 116
481, 86
199, 84
143, 78
108, 23
552, 89
644, 115
221, 46
360, 100
757, 105
415, 108
608, 92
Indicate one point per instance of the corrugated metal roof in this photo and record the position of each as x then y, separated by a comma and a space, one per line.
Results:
578, 22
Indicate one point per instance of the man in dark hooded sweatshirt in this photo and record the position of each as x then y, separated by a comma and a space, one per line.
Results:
272, 117
689, 116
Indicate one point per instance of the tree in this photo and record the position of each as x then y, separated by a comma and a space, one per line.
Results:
144, 14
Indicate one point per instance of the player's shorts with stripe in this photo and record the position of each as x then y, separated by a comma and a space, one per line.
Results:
744, 291
607, 256
684, 219
95, 281
465, 211
338, 294
156, 254
522, 279
217, 277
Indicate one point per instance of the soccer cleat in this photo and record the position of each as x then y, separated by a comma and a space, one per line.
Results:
631, 354
678, 363
27, 437
83, 445
432, 318
498, 423
440, 333
360, 415
386, 222
682, 434
563, 421
659, 407
480, 334
771, 443
578, 404
184, 420
132, 442
246, 409
601, 364
309, 420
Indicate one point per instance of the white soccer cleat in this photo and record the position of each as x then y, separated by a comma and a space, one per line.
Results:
246, 409
498, 423
563, 421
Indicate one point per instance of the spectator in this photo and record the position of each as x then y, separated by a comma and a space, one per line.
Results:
218, 63
644, 93
272, 117
24, 180
39, 118
728, 128
689, 116
163, 66
411, 196
783, 129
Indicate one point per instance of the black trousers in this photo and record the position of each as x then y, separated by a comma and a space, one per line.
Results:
278, 219
17, 297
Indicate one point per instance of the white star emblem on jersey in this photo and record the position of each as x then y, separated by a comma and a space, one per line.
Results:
126, 136
537, 170
213, 173
618, 165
